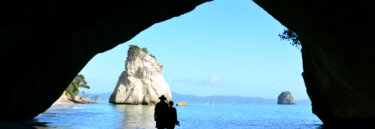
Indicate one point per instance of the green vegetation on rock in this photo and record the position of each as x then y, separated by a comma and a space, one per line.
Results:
134, 47
139, 49
78, 82
152, 56
84, 95
145, 50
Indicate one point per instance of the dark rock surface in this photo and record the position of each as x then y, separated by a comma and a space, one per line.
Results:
285, 98
338, 49
44, 44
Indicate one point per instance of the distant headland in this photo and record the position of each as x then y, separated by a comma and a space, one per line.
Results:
70, 95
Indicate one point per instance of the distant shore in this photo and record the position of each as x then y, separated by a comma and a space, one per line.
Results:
67, 100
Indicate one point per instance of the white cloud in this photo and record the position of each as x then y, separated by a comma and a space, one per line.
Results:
214, 79
210, 81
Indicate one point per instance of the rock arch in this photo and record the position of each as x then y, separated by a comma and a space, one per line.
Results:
46, 43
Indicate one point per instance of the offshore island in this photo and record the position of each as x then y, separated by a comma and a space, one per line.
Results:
142, 82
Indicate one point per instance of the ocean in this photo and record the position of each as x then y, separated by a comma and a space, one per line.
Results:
105, 115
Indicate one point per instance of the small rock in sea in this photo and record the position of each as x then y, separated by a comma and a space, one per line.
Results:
181, 104
285, 98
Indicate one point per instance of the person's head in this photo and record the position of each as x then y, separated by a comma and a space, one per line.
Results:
162, 98
171, 103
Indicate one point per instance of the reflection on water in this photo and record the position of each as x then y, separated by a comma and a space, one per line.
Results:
203, 116
101, 115
136, 116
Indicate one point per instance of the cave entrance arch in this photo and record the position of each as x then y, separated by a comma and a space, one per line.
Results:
231, 42
170, 37
59, 38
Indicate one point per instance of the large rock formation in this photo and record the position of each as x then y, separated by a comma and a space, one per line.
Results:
285, 98
142, 82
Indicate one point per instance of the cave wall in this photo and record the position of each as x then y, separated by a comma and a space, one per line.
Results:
44, 44
338, 53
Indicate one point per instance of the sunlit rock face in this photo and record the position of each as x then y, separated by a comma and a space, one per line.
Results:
285, 98
338, 51
51, 41
142, 82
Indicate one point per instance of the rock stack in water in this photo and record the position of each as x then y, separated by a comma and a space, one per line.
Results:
142, 82
285, 98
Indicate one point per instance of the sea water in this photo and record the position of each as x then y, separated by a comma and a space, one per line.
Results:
196, 115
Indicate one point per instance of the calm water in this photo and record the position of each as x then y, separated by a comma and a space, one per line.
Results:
217, 116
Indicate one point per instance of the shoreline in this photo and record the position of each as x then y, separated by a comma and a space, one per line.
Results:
67, 100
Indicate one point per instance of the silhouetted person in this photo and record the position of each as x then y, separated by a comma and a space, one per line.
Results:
161, 115
172, 116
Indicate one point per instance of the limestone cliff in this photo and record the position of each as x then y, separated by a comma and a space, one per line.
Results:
285, 98
142, 82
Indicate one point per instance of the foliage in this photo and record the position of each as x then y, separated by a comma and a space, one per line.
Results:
66, 94
152, 56
84, 95
139, 49
134, 47
291, 36
145, 50
78, 82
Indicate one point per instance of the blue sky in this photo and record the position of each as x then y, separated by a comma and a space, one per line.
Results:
221, 48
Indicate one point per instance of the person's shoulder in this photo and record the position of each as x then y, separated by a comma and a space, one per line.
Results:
157, 104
